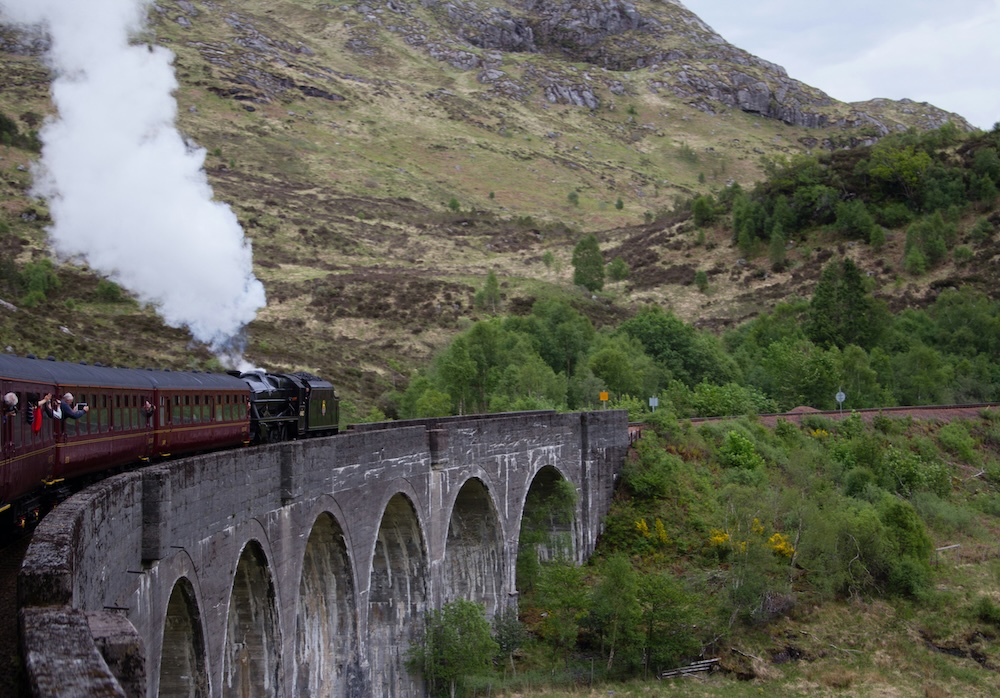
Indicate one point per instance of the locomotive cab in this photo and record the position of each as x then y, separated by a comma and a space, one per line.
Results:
321, 406
290, 405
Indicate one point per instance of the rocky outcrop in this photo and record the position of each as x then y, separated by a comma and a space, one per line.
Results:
578, 95
773, 96
687, 57
577, 26
491, 27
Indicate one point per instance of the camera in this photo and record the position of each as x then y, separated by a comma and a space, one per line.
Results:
81, 405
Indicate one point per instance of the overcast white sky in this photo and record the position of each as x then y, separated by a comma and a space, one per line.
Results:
946, 52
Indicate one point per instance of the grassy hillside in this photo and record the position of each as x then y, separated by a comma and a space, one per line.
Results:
380, 184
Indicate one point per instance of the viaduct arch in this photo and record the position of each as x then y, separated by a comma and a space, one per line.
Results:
304, 568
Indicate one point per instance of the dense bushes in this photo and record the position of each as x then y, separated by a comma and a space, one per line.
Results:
841, 509
801, 353
11, 135
902, 178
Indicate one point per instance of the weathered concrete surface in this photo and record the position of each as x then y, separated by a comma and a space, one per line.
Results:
304, 568
61, 657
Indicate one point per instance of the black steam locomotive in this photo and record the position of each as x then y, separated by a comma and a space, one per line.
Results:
135, 415
287, 406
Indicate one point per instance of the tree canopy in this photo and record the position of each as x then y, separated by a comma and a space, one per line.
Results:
588, 264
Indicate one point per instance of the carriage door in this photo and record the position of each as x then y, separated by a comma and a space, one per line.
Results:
164, 412
6, 442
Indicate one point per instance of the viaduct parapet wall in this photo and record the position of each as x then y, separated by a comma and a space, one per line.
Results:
304, 568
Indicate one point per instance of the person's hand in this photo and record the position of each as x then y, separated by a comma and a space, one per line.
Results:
86, 408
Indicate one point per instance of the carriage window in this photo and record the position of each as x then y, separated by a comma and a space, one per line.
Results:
30, 400
44, 434
21, 429
71, 426
218, 408
87, 424
196, 412
175, 415
105, 414
16, 424
206, 409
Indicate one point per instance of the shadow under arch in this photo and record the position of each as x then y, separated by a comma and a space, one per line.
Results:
397, 598
326, 623
474, 554
252, 660
549, 527
182, 656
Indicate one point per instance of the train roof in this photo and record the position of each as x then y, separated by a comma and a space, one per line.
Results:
62, 373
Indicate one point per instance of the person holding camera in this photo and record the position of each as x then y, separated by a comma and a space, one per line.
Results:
66, 408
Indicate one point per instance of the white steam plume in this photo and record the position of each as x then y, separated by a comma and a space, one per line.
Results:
127, 194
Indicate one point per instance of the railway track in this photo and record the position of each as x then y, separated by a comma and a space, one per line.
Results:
941, 413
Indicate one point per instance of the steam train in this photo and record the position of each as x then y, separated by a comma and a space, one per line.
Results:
139, 415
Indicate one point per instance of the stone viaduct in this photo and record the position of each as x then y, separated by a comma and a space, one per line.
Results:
302, 569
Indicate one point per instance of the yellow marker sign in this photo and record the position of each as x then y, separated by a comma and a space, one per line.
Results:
604, 396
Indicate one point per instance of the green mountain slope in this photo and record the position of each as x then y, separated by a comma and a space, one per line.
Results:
385, 157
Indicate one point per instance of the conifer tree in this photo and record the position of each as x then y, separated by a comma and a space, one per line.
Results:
588, 264
841, 311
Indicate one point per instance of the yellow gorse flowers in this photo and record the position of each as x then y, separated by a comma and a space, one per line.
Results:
659, 531
717, 537
779, 543
642, 527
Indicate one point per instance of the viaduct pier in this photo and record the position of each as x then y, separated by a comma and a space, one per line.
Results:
302, 568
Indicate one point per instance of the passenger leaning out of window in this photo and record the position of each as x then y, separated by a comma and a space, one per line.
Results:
9, 405
67, 410
50, 406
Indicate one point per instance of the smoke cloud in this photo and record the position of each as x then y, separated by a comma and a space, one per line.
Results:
127, 193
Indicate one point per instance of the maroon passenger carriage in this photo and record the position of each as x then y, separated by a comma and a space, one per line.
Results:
192, 412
